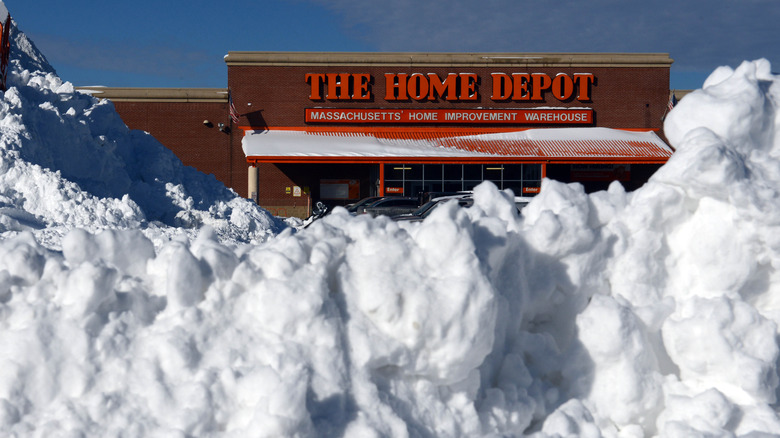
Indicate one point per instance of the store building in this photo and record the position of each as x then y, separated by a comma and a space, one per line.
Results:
338, 127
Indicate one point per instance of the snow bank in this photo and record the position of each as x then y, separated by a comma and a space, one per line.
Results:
615, 314
67, 160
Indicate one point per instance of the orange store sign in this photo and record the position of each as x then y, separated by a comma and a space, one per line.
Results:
454, 87
553, 116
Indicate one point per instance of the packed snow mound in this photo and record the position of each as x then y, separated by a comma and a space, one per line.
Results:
67, 160
614, 314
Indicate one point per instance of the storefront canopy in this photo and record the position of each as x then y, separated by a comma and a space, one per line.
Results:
532, 145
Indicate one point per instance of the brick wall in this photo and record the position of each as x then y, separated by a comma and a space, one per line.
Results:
179, 126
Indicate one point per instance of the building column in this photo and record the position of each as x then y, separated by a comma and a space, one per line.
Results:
254, 187
381, 179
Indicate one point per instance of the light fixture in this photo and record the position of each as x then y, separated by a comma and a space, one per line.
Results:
208, 123
223, 128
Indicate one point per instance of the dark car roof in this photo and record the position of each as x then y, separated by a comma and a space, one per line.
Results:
426, 209
362, 203
389, 205
394, 199
464, 200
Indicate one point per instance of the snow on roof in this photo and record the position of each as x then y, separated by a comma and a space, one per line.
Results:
543, 143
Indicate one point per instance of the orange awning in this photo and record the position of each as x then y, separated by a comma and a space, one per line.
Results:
428, 146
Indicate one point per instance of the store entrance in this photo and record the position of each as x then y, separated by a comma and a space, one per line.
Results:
417, 179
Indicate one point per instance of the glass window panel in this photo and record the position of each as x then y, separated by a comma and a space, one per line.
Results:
453, 186
492, 172
413, 171
414, 188
532, 171
513, 171
433, 172
434, 186
472, 171
453, 172
394, 172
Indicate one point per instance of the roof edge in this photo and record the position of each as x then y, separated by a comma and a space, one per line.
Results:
127, 94
451, 59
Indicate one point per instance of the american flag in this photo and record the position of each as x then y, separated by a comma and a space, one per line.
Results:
233, 113
672, 101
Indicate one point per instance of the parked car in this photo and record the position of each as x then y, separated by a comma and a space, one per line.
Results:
353, 208
464, 200
390, 206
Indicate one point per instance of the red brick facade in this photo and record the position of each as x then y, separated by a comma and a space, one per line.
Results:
622, 98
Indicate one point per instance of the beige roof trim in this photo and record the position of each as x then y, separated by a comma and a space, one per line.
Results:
422, 59
122, 94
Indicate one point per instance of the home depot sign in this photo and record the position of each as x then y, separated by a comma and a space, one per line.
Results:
569, 116
455, 87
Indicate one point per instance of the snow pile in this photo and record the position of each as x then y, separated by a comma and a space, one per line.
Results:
652, 313
67, 160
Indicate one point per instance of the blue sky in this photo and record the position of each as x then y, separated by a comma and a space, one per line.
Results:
182, 44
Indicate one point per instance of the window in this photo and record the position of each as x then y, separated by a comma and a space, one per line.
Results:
417, 178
